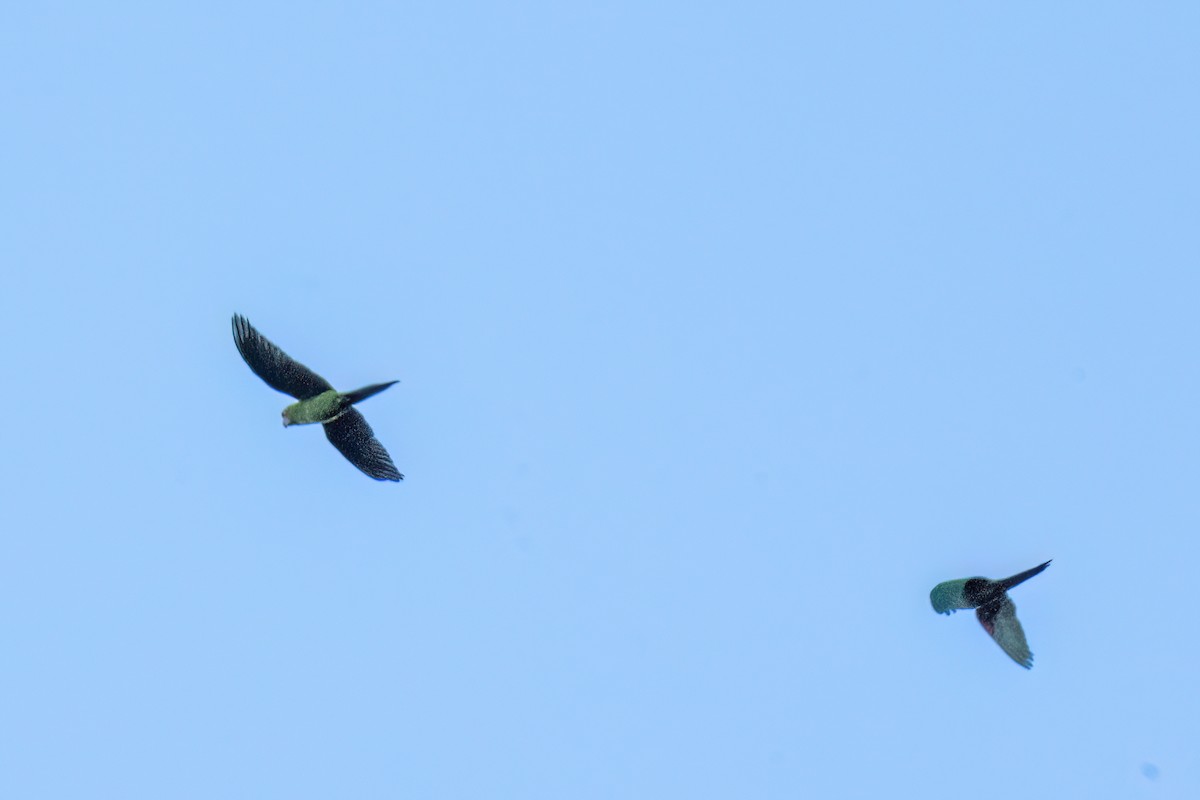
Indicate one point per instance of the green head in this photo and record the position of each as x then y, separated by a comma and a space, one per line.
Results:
949, 596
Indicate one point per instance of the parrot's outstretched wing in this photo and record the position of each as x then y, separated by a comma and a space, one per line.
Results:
351, 434
999, 619
280, 371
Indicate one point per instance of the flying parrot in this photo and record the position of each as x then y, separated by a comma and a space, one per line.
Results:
996, 612
317, 401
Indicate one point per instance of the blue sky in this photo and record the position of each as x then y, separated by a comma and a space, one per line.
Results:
724, 332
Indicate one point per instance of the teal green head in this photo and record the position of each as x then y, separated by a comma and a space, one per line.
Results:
949, 596
288, 419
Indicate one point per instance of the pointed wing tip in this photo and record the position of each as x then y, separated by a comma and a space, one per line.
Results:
352, 436
243, 333
275, 367
372, 465
373, 468
386, 470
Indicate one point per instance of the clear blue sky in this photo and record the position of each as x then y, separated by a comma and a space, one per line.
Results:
724, 332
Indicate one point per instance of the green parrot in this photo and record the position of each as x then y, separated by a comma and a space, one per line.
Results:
345, 427
996, 612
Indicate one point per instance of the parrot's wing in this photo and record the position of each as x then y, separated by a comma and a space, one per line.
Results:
999, 619
281, 372
351, 434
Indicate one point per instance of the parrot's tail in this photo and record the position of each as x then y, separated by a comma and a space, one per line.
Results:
1021, 577
358, 395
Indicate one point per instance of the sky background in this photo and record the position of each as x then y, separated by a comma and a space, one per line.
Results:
724, 332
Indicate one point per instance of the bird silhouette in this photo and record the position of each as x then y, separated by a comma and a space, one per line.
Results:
318, 401
996, 611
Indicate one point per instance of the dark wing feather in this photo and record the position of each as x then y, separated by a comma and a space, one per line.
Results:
351, 434
999, 619
281, 372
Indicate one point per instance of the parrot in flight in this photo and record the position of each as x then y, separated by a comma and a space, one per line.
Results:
317, 401
996, 612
